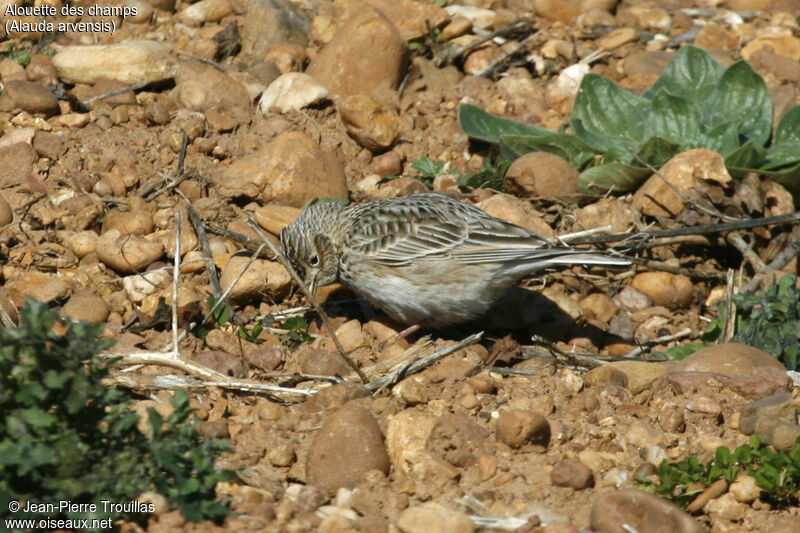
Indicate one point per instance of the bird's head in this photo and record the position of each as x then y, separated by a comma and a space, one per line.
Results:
308, 244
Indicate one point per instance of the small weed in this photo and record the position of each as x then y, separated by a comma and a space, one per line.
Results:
777, 473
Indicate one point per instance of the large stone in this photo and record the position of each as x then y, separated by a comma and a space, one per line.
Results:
413, 20
642, 512
201, 88
731, 359
433, 517
347, 446
28, 96
39, 286
16, 164
267, 22
698, 169
129, 62
261, 278
367, 55
290, 170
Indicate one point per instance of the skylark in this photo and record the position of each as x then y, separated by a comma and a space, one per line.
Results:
424, 259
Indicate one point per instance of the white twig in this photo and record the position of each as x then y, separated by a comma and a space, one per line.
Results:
415, 366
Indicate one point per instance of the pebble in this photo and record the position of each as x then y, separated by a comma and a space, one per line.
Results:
745, 489
601, 375
616, 38
640, 374
127, 253
200, 87
387, 164
672, 421
600, 307
267, 358
516, 427
714, 490
572, 473
633, 299
642, 512
558, 10
205, 11
433, 517
262, 277
130, 62
39, 286
16, 164
274, 218
478, 17
6, 213
784, 45
290, 170
222, 362
370, 124
136, 221
731, 359
413, 20
457, 439
266, 22
86, 305
348, 445
290, 92
685, 171
406, 435
28, 96
140, 286
541, 174
365, 55
726, 507
50, 145
516, 211
672, 291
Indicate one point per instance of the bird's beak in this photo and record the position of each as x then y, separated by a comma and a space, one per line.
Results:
312, 288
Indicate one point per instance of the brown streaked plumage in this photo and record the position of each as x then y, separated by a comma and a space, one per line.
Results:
423, 259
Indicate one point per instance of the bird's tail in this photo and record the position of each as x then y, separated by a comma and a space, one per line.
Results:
569, 256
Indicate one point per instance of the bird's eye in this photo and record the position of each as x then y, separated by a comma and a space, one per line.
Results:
314, 261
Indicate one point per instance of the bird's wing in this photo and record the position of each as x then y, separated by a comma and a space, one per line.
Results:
395, 234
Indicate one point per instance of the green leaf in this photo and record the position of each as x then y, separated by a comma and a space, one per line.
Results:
746, 158
676, 120
484, 126
612, 176
657, 151
788, 129
570, 147
692, 74
742, 97
428, 167
605, 108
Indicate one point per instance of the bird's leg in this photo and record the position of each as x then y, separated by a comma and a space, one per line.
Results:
399, 335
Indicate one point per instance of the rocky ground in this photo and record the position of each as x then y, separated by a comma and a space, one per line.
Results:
250, 108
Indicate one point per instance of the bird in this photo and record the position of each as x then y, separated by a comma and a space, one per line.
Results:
424, 259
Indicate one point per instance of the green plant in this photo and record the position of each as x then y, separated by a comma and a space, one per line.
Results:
490, 175
777, 473
64, 436
23, 57
696, 103
298, 331
769, 321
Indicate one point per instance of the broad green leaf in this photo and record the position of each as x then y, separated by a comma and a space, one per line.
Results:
613, 148
484, 126
657, 151
722, 138
742, 96
570, 147
781, 156
746, 158
788, 129
612, 176
605, 108
676, 119
692, 74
